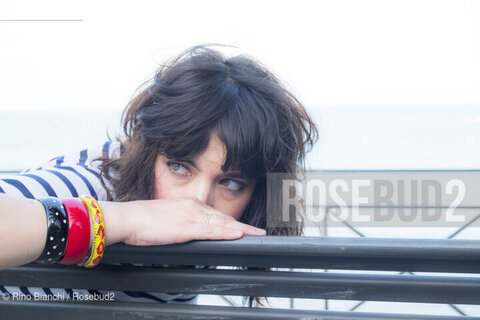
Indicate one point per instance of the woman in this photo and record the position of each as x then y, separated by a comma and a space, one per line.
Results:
199, 141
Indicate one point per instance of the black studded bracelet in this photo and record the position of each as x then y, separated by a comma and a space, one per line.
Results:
57, 231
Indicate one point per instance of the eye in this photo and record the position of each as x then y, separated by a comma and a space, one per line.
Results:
178, 168
232, 184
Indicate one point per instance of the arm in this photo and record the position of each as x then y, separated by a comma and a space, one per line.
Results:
23, 229
23, 225
149, 222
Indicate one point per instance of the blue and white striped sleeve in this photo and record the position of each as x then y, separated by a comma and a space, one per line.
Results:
64, 176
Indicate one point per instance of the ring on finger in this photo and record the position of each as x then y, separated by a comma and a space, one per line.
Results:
206, 218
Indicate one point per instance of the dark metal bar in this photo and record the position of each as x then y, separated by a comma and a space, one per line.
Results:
77, 310
10, 171
436, 255
407, 288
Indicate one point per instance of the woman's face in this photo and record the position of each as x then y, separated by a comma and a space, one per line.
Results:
228, 192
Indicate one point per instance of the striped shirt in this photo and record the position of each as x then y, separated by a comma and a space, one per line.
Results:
72, 176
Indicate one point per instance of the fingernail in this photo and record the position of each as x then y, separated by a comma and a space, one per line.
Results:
261, 230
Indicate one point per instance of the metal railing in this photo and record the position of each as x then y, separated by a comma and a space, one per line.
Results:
9, 172
270, 251
458, 261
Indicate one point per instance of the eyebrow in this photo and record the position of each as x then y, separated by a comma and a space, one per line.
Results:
229, 174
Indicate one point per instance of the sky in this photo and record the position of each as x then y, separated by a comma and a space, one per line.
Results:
330, 53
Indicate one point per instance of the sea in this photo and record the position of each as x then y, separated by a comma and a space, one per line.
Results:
404, 137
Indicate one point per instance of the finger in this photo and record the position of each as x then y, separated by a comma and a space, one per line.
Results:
229, 222
223, 219
213, 211
246, 228
215, 232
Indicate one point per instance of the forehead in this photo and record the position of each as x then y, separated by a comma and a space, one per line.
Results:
215, 157
215, 153
212, 159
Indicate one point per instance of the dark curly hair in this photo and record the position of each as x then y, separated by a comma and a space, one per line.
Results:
262, 125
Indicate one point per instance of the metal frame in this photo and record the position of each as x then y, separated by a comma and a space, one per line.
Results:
136, 311
435, 255
402, 255
320, 285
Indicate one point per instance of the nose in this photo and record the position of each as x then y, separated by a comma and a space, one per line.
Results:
203, 191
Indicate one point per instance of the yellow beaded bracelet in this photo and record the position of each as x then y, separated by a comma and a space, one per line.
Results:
95, 253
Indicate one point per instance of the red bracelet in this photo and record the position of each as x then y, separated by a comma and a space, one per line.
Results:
78, 231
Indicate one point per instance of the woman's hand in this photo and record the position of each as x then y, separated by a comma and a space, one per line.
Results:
167, 221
